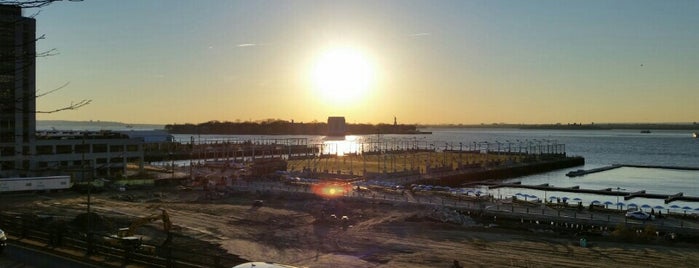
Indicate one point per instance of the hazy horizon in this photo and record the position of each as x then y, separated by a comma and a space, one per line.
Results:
47, 121
425, 62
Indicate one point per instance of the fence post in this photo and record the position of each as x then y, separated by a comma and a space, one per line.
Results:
169, 262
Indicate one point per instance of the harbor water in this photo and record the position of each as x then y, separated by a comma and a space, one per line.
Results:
603, 148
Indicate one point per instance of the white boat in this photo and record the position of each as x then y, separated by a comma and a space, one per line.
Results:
695, 135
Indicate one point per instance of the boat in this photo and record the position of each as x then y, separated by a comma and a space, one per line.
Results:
695, 135
576, 173
259, 264
645, 131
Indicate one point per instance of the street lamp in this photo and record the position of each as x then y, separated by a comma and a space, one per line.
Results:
172, 165
618, 189
460, 152
90, 248
444, 155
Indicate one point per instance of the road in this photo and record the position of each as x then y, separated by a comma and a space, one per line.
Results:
16, 256
606, 217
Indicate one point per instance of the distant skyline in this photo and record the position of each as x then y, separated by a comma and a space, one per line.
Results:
425, 62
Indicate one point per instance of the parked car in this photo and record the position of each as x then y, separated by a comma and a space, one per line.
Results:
3, 240
639, 215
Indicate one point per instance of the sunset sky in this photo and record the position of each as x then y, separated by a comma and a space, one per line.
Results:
427, 62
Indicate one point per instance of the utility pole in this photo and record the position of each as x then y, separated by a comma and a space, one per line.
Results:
191, 155
89, 194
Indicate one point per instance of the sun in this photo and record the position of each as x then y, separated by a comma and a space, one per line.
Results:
342, 75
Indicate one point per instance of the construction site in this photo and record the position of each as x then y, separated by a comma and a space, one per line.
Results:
322, 212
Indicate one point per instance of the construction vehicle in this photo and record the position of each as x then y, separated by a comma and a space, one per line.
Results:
3, 240
126, 238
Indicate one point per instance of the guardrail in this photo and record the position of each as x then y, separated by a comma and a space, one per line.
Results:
72, 244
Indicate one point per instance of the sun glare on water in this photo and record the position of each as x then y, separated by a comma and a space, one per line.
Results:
342, 75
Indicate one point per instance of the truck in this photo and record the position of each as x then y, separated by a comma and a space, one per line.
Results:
35, 184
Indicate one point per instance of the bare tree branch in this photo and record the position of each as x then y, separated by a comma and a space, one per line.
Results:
32, 3
51, 91
72, 106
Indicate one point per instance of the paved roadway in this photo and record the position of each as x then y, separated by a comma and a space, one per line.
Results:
17, 256
609, 217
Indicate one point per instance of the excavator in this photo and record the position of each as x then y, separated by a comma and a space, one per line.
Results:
126, 238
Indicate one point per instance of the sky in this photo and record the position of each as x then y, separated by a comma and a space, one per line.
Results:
424, 62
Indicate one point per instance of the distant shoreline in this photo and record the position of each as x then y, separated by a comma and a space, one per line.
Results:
108, 125
611, 126
280, 127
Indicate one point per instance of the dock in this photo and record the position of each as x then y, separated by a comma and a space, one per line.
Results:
547, 187
582, 172
606, 191
668, 198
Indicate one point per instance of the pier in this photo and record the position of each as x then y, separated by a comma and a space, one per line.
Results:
447, 163
607, 191
454, 178
582, 172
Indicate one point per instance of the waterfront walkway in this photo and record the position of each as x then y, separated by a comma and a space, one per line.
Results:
607, 191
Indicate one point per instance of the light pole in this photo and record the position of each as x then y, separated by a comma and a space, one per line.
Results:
444, 155
429, 156
89, 194
191, 155
172, 165
618, 189
460, 153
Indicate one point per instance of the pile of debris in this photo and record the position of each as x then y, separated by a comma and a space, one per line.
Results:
447, 215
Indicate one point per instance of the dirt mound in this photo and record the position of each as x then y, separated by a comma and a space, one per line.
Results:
298, 229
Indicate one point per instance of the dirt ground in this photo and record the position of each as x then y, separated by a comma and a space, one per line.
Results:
291, 229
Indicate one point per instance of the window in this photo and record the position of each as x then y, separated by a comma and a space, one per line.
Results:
64, 149
44, 149
99, 148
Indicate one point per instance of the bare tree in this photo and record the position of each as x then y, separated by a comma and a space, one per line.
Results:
32, 3
27, 4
